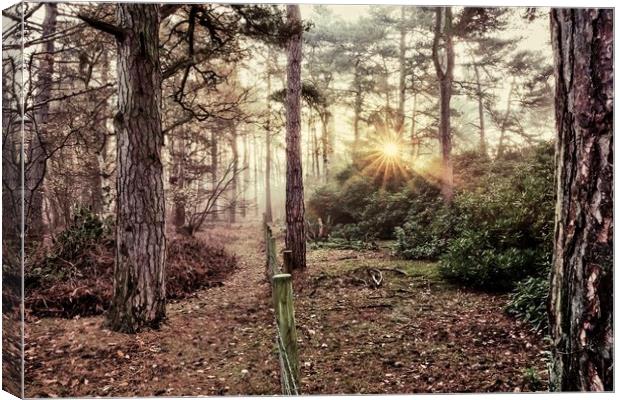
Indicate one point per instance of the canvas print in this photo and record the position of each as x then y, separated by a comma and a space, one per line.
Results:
271, 199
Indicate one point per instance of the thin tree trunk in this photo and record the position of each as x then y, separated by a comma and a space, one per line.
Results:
325, 144
179, 172
139, 284
268, 210
106, 155
504, 126
581, 298
295, 227
255, 160
400, 122
317, 152
415, 142
246, 175
479, 94
233, 185
357, 108
443, 31
214, 167
35, 170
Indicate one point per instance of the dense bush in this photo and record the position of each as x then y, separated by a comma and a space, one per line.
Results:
86, 231
496, 232
75, 276
505, 225
359, 207
529, 301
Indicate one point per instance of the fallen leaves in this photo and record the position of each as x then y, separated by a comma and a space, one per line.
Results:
221, 340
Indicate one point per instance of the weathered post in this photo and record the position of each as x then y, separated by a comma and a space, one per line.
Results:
272, 257
287, 333
287, 256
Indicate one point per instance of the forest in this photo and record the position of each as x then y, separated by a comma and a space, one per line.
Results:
252, 199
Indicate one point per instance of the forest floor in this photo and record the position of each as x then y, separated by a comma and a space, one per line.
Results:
414, 333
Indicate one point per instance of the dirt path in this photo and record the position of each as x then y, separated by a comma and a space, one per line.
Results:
412, 334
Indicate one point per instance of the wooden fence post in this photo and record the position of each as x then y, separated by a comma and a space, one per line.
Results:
272, 257
287, 333
287, 256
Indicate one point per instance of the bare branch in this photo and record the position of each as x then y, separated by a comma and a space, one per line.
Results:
103, 26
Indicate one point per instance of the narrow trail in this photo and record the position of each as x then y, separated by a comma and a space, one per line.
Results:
413, 334
220, 341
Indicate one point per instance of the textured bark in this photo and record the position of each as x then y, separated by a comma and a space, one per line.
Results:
295, 229
139, 286
581, 298
443, 33
106, 154
37, 160
178, 178
268, 210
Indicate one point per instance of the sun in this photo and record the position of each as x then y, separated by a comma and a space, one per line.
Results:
390, 149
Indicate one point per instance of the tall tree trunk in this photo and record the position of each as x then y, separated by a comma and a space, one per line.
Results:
37, 161
246, 175
214, 167
316, 165
400, 120
415, 141
295, 229
235, 171
12, 158
483, 142
504, 125
581, 298
139, 286
179, 200
357, 107
255, 160
443, 32
268, 210
106, 153
325, 146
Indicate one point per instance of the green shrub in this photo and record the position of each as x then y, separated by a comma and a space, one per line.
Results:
505, 226
529, 302
473, 260
86, 231
426, 232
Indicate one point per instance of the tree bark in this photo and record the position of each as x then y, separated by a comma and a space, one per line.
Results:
214, 167
246, 175
268, 210
443, 32
233, 185
37, 160
295, 229
178, 198
139, 285
106, 154
581, 298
